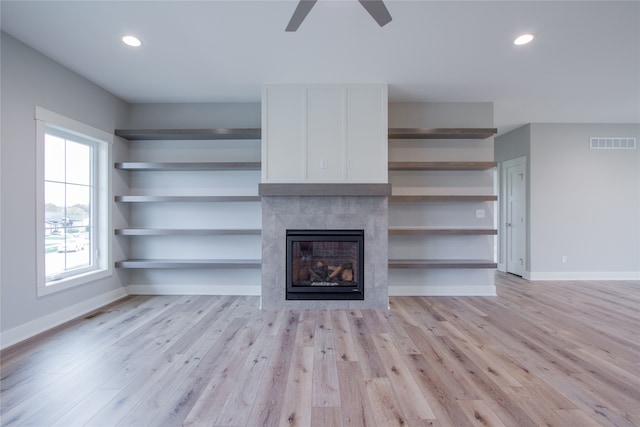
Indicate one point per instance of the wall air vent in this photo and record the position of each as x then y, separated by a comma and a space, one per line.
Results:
609, 143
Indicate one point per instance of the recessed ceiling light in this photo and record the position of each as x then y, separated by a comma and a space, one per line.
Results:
131, 41
523, 39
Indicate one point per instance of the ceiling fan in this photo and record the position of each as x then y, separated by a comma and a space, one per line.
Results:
376, 9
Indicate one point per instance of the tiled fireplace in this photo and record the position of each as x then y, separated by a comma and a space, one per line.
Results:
312, 212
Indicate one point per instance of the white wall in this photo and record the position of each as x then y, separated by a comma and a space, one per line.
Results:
30, 79
582, 204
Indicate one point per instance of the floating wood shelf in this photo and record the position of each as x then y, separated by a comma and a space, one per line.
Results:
184, 166
189, 263
407, 166
442, 263
256, 133
444, 198
441, 133
429, 231
189, 134
187, 232
147, 199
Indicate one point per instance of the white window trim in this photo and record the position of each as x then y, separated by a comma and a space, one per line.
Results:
47, 119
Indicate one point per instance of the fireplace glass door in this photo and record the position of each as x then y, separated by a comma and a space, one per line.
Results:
325, 264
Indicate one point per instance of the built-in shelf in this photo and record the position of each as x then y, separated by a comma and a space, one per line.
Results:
187, 232
150, 199
441, 133
441, 263
430, 231
443, 198
189, 263
189, 134
185, 135
299, 189
256, 133
427, 166
185, 166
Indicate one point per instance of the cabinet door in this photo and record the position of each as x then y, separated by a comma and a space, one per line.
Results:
324, 134
283, 150
366, 134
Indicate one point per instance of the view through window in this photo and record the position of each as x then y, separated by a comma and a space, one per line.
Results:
69, 194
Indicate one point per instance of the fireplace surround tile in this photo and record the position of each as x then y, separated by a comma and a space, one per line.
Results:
369, 213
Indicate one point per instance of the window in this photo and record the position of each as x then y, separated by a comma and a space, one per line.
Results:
73, 198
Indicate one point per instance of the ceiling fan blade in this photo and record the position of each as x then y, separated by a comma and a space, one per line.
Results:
301, 12
377, 10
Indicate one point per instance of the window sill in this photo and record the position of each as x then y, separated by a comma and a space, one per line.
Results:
71, 282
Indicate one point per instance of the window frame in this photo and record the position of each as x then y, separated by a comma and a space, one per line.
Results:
102, 143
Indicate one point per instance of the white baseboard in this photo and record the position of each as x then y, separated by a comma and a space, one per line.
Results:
441, 291
37, 326
582, 275
245, 290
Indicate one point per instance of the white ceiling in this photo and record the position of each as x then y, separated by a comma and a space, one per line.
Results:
583, 66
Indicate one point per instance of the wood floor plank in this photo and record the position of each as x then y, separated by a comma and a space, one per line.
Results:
86, 408
480, 413
368, 358
343, 338
438, 391
356, 406
499, 401
458, 385
384, 403
413, 404
223, 363
243, 396
215, 388
270, 397
480, 356
326, 389
160, 401
326, 417
539, 353
296, 408
398, 334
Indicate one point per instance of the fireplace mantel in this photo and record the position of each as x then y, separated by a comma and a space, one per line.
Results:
324, 190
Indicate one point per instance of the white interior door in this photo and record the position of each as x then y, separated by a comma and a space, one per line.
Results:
515, 227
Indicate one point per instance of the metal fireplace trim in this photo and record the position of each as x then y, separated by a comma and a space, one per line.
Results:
325, 292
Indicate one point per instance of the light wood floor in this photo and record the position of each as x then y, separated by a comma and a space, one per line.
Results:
541, 353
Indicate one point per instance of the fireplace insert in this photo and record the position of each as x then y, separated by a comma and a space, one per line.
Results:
325, 265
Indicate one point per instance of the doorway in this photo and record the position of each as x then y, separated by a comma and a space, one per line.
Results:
514, 226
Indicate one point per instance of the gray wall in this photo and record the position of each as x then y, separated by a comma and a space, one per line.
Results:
30, 79
512, 145
167, 116
583, 204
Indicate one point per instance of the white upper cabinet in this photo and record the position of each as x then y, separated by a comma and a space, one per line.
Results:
324, 134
